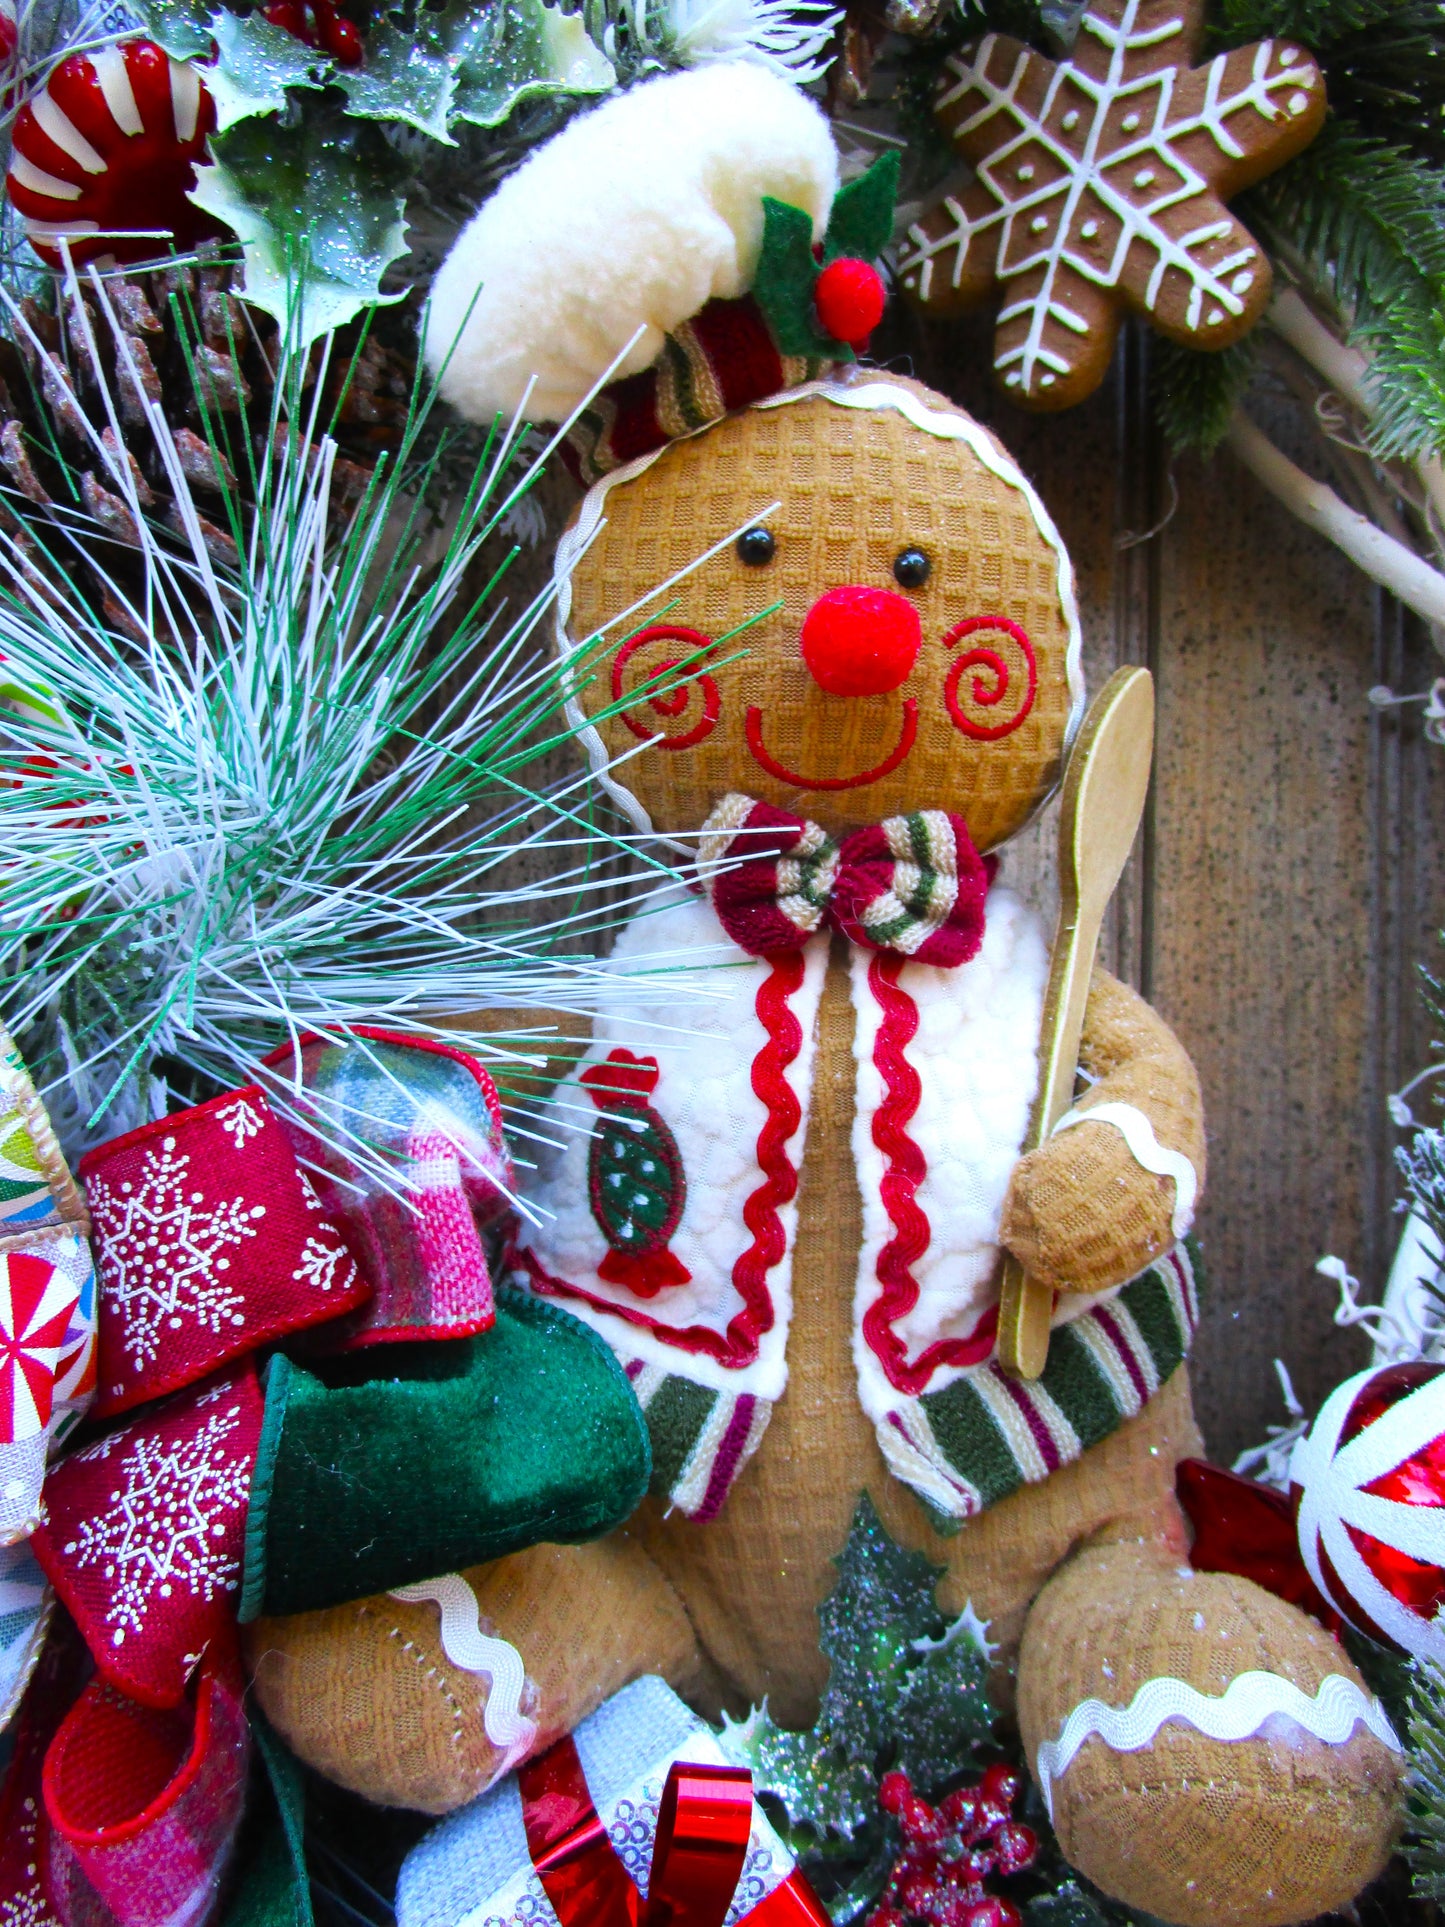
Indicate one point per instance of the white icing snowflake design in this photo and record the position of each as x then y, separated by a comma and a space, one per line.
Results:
163, 1251
166, 1527
1106, 172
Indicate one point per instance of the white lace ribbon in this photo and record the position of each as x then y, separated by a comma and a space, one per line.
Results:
1248, 1703
1146, 1150
467, 1646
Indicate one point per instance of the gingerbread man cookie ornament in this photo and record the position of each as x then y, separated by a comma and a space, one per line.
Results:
1100, 183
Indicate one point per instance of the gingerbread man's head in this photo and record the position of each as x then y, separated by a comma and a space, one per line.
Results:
838, 595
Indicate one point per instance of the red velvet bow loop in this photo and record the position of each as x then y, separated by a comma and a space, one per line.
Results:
912, 886
703, 1828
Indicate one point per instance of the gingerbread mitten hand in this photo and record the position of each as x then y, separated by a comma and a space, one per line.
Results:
1117, 1183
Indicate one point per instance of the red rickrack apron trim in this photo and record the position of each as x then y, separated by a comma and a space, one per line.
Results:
907, 1168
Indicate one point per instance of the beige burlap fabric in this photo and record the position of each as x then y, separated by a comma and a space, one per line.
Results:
855, 488
753, 1577
365, 1693
1251, 1833
1081, 1214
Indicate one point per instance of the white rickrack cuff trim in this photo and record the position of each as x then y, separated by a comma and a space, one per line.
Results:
467, 1646
1146, 1150
1246, 1706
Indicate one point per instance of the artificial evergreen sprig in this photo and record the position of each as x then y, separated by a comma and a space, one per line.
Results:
292, 790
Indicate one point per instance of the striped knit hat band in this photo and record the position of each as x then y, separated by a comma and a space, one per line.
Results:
912, 886
723, 359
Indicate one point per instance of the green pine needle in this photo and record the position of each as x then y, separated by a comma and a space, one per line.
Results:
1195, 394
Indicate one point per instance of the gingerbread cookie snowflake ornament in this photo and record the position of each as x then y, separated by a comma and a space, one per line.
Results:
783, 1200
1100, 184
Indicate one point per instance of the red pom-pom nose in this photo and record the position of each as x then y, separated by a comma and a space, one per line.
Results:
860, 642
850, 299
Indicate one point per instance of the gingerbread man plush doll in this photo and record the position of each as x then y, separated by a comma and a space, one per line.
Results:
783, 1190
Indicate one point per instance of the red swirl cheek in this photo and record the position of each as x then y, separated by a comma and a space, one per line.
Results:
1002, 678
698, 694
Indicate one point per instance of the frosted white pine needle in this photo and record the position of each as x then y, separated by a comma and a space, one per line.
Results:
301, 802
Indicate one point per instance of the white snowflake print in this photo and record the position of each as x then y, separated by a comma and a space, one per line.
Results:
26, 1906
166, 1524
311, 1195
241, 1120
163, 1252
320, 1264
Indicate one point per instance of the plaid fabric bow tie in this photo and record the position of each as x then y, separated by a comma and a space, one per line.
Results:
911, 886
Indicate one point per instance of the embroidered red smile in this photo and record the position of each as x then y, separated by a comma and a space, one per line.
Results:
764, 757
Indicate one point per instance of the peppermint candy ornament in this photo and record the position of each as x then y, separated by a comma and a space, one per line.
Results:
1368, 1483
108, 145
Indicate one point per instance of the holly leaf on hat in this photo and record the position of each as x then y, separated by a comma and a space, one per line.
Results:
519, 51
182, 27
318, 210
255, 63
408, 76
783, 285
861, 224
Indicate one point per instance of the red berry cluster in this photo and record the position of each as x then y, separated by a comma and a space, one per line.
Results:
950, 1850
321, 24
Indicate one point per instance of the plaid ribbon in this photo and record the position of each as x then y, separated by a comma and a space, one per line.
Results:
911, 886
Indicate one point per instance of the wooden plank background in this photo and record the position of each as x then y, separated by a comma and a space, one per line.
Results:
1288, 882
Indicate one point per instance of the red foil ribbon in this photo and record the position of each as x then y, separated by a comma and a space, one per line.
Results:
1246, 1528
703, 1828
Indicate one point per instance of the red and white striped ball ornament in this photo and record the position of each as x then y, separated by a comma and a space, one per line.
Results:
1368, 1482
109, 144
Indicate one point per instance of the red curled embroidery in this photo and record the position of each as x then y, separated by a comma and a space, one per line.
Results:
907, 1169
992, 677
674, 701
738, 1345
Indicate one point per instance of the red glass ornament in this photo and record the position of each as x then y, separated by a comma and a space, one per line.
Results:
860, 642
111, 143
319, 23
850, 298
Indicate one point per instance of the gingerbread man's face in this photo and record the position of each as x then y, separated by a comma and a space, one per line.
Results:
919, 631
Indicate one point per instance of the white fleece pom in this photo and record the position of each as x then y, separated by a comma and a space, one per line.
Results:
635, 216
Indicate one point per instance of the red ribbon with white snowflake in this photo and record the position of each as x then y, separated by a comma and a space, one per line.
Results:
145, 1537
210, 1241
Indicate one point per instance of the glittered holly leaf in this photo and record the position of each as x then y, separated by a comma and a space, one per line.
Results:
255, 63
318, 210
182, 27
516, 51
786, 285
408, 76
904, 1689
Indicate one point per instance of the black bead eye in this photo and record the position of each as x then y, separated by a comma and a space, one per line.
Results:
911, 568
757, 547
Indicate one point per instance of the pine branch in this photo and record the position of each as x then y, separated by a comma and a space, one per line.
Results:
1424, 1845
1369, 220
1195, 395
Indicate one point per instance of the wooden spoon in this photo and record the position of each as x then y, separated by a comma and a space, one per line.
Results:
1104, 791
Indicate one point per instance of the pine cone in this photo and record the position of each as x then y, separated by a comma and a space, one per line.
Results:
183, 343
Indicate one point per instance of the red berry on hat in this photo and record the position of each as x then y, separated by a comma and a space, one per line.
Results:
850, 300
111, 142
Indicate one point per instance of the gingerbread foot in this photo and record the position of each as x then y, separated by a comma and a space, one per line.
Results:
1208, 1753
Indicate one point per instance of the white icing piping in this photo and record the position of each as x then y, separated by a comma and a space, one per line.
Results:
1249, 1702
467, 1646
1146, 1150
1331, 1499
576, 541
